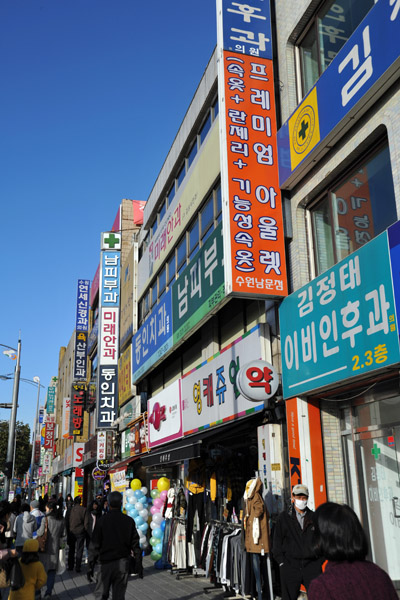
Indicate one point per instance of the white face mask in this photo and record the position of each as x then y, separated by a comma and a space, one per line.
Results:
300, 504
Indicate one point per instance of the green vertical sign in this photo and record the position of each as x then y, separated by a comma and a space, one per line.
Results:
200, 287
51, 398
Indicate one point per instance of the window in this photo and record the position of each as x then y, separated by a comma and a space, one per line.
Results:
162, 212
192, 153
154, 294
181, 175
181, 255
215, 108
193, 239
162, 282
205, 128
171, 194
171, 268
219, 203
331, 27
154, 227
207, 215
356, 210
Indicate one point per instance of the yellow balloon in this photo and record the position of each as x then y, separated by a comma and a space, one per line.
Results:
136, 484
163, 484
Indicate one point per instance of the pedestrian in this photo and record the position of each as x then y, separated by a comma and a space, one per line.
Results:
55, 539
114, 541
293, 545
24, 527
5, 553
75, 522
92, 515
340, 539
33, 572
35, 512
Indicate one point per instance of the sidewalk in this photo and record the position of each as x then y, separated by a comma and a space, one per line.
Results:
156, 585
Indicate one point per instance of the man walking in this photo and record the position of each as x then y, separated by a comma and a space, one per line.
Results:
114, 541
292, 545
75, 525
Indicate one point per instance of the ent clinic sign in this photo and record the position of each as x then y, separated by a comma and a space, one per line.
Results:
342, 325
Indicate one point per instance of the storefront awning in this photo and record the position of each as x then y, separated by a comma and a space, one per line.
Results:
173, 453
122, 464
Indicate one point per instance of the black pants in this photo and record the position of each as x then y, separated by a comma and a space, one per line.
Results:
296, 573
112, 575
75, 546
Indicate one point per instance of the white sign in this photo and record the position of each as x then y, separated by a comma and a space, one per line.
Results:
68, 457
257, 381
165, 415
78, 454
46, 464
101, 445
210, 395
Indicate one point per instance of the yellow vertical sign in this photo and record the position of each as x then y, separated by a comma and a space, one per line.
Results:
304, 132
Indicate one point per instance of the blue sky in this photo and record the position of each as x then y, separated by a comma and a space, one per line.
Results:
93, 92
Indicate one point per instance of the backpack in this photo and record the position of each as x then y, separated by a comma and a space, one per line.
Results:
42, 539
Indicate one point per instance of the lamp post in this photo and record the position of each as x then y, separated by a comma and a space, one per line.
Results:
36, 380
9, 466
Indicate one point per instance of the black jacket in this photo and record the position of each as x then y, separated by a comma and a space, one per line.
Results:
291, 543
114, 537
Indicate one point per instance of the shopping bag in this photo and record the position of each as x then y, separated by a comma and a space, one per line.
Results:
61, 562
42, 539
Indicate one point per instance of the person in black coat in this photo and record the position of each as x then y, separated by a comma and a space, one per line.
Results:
293, 545
114, 541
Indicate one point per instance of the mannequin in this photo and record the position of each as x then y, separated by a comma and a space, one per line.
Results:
256, 528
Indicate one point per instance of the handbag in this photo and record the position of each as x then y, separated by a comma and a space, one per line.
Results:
42, 539
61, 562
17, 579
4, 578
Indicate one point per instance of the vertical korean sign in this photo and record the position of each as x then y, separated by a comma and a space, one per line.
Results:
108, 343
254, 245
81, 330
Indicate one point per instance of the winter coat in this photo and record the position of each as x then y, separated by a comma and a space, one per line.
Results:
38, 516
114, 537
291, 543
24, 527
76, 519
256, 519
35, 577
55, 533
91, 517
360, 580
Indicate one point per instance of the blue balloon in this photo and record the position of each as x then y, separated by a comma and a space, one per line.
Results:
143, 527
130, 513
157, 533
138, 494
158, 548
162, 526
139, 521
143, 500
135, 513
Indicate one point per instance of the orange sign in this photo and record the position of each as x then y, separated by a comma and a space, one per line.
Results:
253, 221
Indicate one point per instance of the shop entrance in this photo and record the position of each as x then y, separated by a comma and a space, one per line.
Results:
377, 455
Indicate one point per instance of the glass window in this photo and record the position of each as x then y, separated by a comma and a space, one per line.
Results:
171, 194
330, 29
146, 304
162, 212
154, 294
355, 211
215, 108
181, 254
192, 153
162, 281
171, 268
181, 175
193, 238
154, 227
207, 215
205, 128
219, 199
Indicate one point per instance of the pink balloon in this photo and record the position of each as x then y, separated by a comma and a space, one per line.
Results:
154, 510
158, 502
163, 494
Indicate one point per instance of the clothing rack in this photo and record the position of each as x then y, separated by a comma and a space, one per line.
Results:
177, 571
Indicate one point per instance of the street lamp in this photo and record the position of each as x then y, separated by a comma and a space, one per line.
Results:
9, 465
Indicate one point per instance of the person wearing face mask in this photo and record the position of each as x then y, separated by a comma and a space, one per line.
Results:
293, 545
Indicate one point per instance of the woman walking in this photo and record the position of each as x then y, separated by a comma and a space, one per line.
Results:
55, 526
24, 527
33, 571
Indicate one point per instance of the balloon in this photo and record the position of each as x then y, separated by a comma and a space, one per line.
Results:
144, 513
144, 545
135, 513
153, 525
157, 533
163, 484
158, 548
158, 503
137, 494
157, 518
154, 541
155, 555
154, 510
154, 493
129, 493
136, 484
162, 526
139, 506
130, 513
143, 490
139, 521
143, 527
143, 500
163, 494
